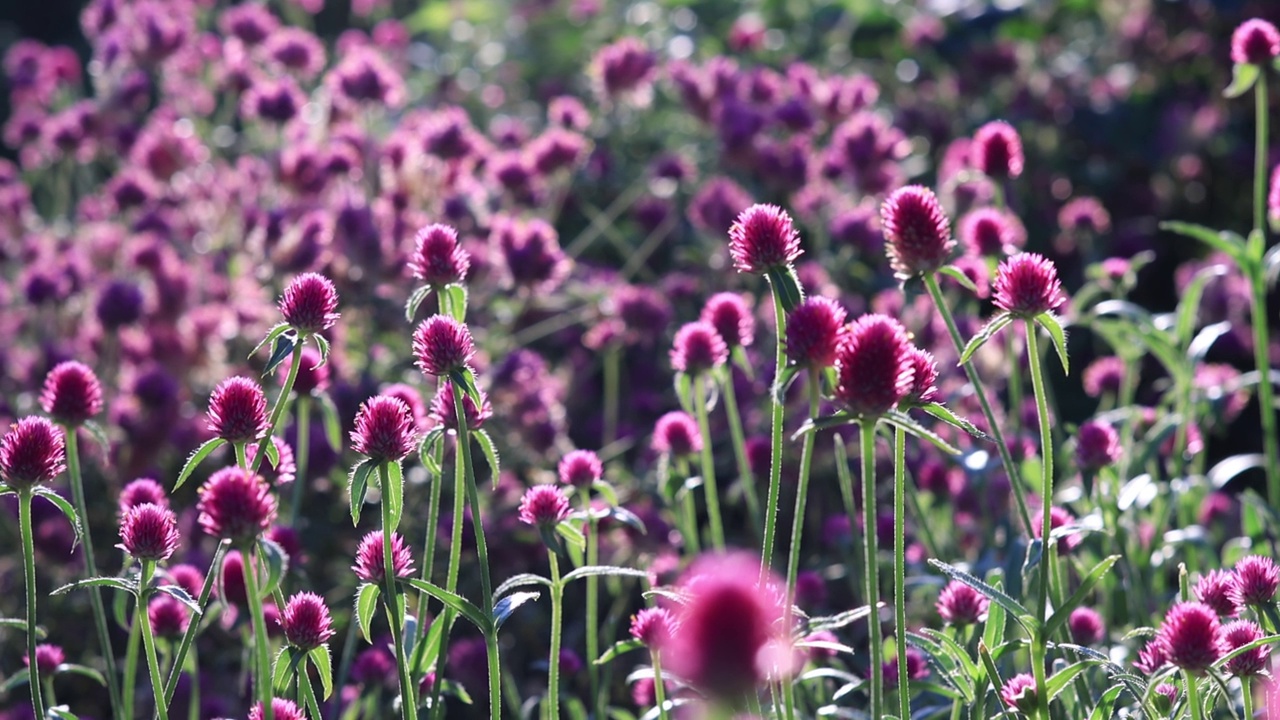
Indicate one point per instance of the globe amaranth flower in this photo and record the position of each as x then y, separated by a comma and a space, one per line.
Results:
1085, 625
917, 667
444, 413
371, 565
236, 504
1027, 285
169, 618
1059, 517
917, 232
873, 368
924, 377
231, 582
992, 233
961, 605
813, 332
580, 469
443, 345
1217, 590
677, 433
188, 577
1097, 445
306, 621
31, 453
238, 410
142, 490
384, 430
149, 532
72, 394
1151, 657
1190, 636
653, 627
997, 150
698, 348
1255, 42
1104, 375
763, 238
731, 316
544, 506
280, 709
438, 259
48, 658
1256, 580
1236, 635
310, 303
1019, 693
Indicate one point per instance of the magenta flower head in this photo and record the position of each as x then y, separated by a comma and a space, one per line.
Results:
238, 410
168, 617
237, 505
443, 411
652, 626
1191, 636
438, 259
281, 709
1059, 517
544, 506
1256, 580
72, 394
1027, 285
961, 605
698, 348
813, 331
991, 232
149, 532
306, 621
31, 453
580, 469
142, 490
1151, 657
48, 658
677, 433
762, 239
873, 367
1097, 445
1273, 196
1019, 693
924, 378
916, 231
729, 637
1255, 42
443, 345
1086, 626
371, 565
1236, 635
313, 373
384, 430
310, 303
731, 316
997, 150
1217, 590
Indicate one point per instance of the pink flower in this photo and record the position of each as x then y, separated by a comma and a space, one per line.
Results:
698, 348
873, 367
72, 394
1151, 657
544, 506
234, 504
677, 433
1236, 635
924, 377
731, 317
1027, 285
1086, 626
997, 150
961, 605
149, 532
813, 332
1256, 580
916, 231
281, 709
1255, 42
1217, 590
1097, 445
371, 565
444, 412
142, 490
438, 259
763, 238
385, 430
306, 621
168, 617
48, 658
1059, 517
238, 410
443, 345
580, 469
310, 303
1019, 693
1190, 636
991, 232
31, 453
653, 627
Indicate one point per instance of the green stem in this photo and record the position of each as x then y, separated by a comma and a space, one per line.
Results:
802, 489
242, 457
1193, 696
900, 568
1247, 693
91, 566
553, 668
429, 541
455, 549
659, 692
302, 446
129, 691
1046, 468
193, 627
708, 463
394, 603
29, 571
993, 426
740, 449
867, 432
149, 641
262, 667
688, 512
1260, 152
307, 693
193, 702
775, 437
344, 668
278, 411
612, 385
593, 609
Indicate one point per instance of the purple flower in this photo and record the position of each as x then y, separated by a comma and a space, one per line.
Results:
1086, 626
731, 317
280, 709
234, 504
653, 627
119, 304
149, 532
1255, 42
310, 303
306, 621
142, 490
916, 231
1027, 285
961, 605
1217, 590
544, 506
1019, 693
991, 232
625, 67
698, 348
238, 410
763, 238
677, 433
168, 617
442, 345
997, 150
31, 453
438, 259
72, 394
580, 469
717, 204
385, 430
1097, 445
1191, 636
48, 658
1256, 579
1084, 214
371, 565
443, 411
1236, 635
924, 377
873, 366
813, 332
1104, 375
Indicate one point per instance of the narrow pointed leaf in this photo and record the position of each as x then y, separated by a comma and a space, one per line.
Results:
572, 534
393, 493
958, 275
490, 451
606, 491
1087, 584
1243, 77
285, 665
106, 582
277, 562
270, 337
1049, 322
67, 509
944, 413
1214, 239
427, 451
466, 381
508, 605
1106, 703
627, 518
787, 286
839, 620
358, 486
273, 455
181, 596
82, 671
619, 648
453, 600
428, 651
1019, 613
995, 325
907, 423
323, 663
1061, 679
282, 349
196, 458
366, 604
322, 345
453, 299
521, 580
332, 425
595, 570
99, 435
415, 300
1189, 305
15, 681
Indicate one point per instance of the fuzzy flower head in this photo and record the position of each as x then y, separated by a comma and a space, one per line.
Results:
31, 453
580, 469
48, 658
917, 232
763, 238
961, 605
652, 626
443, 411
677, 433
1236, 635
997, 150
1256, 579
544, 506
238, 410
237, 505
306, 621
149, 532
1027, 285
1191, 636
1019, 693
813, 332
169, 618
385, 430
443, 345
142, 490
698, 348
1097, 445
1059, 517
991, 232
924, 378
731, 316
873, 366
438, 259
1086, 626
72, 394
281, 709
310, 303
371, 565
1255, 42
1217, 590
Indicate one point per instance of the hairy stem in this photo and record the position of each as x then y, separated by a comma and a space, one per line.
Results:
394, 605
659, 691
262, 649
867, 432
708, 463
593, 606
775, 435
277, 412
149, 641
29, 573
738, 437
553, 668
193, 627
900, 568
302, 446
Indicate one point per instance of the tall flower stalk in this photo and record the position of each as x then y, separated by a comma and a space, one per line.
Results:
729, 314
699, 351
545, 507
582, 470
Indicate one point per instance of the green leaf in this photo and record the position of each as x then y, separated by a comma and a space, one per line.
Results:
1189, 306
427, 451
1061, 614
591, 570
272, 334
521, 580
277, 561
1134, 684
428, 651
322, 345
358, 487
1260, 642
60, 712
21, 626
1106, 703
606, 491
959, 653
945, 663
452, 600
455, 689
82, 671
1061, 679
509, 604
784, 382
366, 604
282, 349
619, 648
1049, 322
1223, 242
684, 391
993, 326
573, 535
787, 286
490, 451
1021, 614
273, 455
1243, 77
627, 518
839, 620
393, 493
332, 425
465, 380
989, 664
181, 596
285, 665
453, 302
67, 509
993, 629
196, 458
106, 582
901, 420
15, 681
99, 435
943, 413
958, 275
415, 300
323, 663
